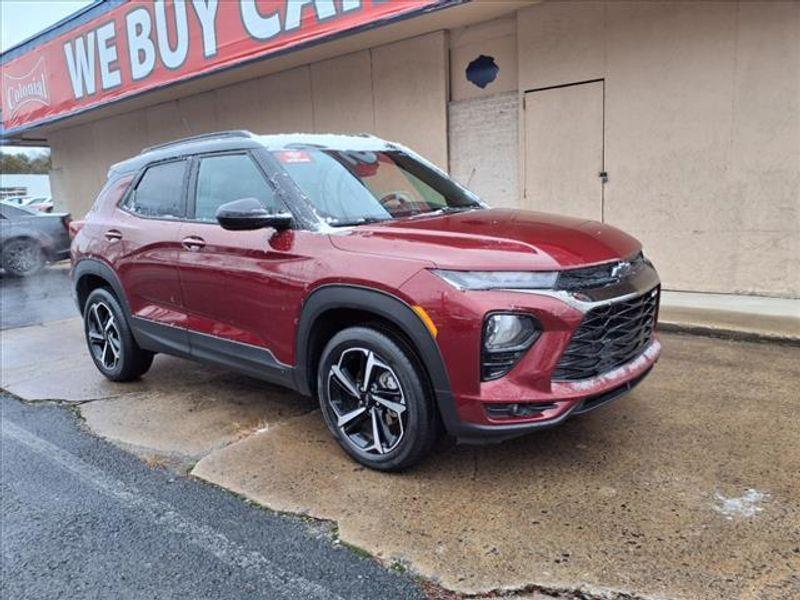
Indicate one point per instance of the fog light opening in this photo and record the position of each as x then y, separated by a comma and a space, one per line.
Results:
517, 410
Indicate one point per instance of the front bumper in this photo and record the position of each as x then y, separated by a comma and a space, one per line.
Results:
568, 399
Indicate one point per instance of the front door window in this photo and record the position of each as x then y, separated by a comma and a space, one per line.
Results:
222, 179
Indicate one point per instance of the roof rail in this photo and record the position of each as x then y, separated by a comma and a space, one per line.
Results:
234, 133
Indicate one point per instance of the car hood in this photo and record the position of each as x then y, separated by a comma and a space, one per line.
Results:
501, 239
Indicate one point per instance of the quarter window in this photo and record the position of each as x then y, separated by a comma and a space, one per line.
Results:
160, 192
112, 192
222, 179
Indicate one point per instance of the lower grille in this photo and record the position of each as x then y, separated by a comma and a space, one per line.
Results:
609, 337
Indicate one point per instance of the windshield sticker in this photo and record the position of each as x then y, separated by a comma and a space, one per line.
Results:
293, 157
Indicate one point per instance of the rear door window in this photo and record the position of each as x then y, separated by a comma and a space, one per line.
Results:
226, 178
160, 192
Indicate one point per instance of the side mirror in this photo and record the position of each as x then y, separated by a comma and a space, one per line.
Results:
248, 214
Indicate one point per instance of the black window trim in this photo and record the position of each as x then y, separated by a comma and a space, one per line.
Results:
305, 217
122, 204
194, 170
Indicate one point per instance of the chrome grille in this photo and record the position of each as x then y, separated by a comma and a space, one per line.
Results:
609, 336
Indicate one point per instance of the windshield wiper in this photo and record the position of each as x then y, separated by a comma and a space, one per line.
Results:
359, 221
445, 210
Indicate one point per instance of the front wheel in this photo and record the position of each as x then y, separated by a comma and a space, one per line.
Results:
375, 401
23, 257
111, 344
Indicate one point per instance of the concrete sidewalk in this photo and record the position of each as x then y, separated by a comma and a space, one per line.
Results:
755, 318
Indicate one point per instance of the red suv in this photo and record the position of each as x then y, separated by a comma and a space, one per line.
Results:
351, 268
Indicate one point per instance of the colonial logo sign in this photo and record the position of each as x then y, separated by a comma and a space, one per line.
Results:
124, 48
27, 89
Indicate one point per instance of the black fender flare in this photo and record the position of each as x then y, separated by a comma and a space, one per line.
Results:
390, 308
93, 266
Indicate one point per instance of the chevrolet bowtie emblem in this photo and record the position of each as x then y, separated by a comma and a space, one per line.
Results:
621, 269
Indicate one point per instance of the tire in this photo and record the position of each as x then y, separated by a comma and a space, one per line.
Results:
397, 403
23, 257
111, 344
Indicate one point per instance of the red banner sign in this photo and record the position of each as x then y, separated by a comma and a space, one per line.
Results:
141, 45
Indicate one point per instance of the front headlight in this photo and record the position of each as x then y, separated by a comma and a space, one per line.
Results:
494, 280
506, 338
505, 331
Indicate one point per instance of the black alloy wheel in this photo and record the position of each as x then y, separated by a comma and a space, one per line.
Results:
367, 401
103, 335
111, 344
376, 400
23, 257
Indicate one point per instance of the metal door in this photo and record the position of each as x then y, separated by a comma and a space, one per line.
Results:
564, 163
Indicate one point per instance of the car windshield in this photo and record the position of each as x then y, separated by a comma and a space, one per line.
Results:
352, 188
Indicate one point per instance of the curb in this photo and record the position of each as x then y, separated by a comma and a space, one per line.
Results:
724, 333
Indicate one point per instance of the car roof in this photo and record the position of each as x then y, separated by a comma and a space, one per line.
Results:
241, 140
325, 141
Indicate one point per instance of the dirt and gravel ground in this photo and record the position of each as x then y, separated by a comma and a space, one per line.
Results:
687, 488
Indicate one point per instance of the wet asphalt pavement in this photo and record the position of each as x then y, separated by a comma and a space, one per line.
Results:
39, 298
82, 518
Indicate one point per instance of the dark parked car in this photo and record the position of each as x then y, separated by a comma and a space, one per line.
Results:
30, 239
351, 268
38, 203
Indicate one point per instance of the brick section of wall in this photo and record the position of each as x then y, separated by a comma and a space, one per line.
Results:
484, 146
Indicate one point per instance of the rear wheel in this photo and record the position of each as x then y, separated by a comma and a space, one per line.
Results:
23, 257
375, 401
111, 344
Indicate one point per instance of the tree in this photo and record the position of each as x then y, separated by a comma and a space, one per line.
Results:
20, 164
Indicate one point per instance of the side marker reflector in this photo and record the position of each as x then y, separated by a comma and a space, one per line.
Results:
426, 318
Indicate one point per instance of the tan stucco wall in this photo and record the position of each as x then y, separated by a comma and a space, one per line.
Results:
398, 91
497, 39
702, 129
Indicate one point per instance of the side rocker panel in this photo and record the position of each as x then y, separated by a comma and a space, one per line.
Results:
390, 308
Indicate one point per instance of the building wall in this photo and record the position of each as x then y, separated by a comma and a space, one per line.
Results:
398, 91
496, 39
483, 121
702, 129
701, 123
483, 146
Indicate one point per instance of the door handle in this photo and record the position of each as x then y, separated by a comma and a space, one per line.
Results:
193, 243
113, 235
